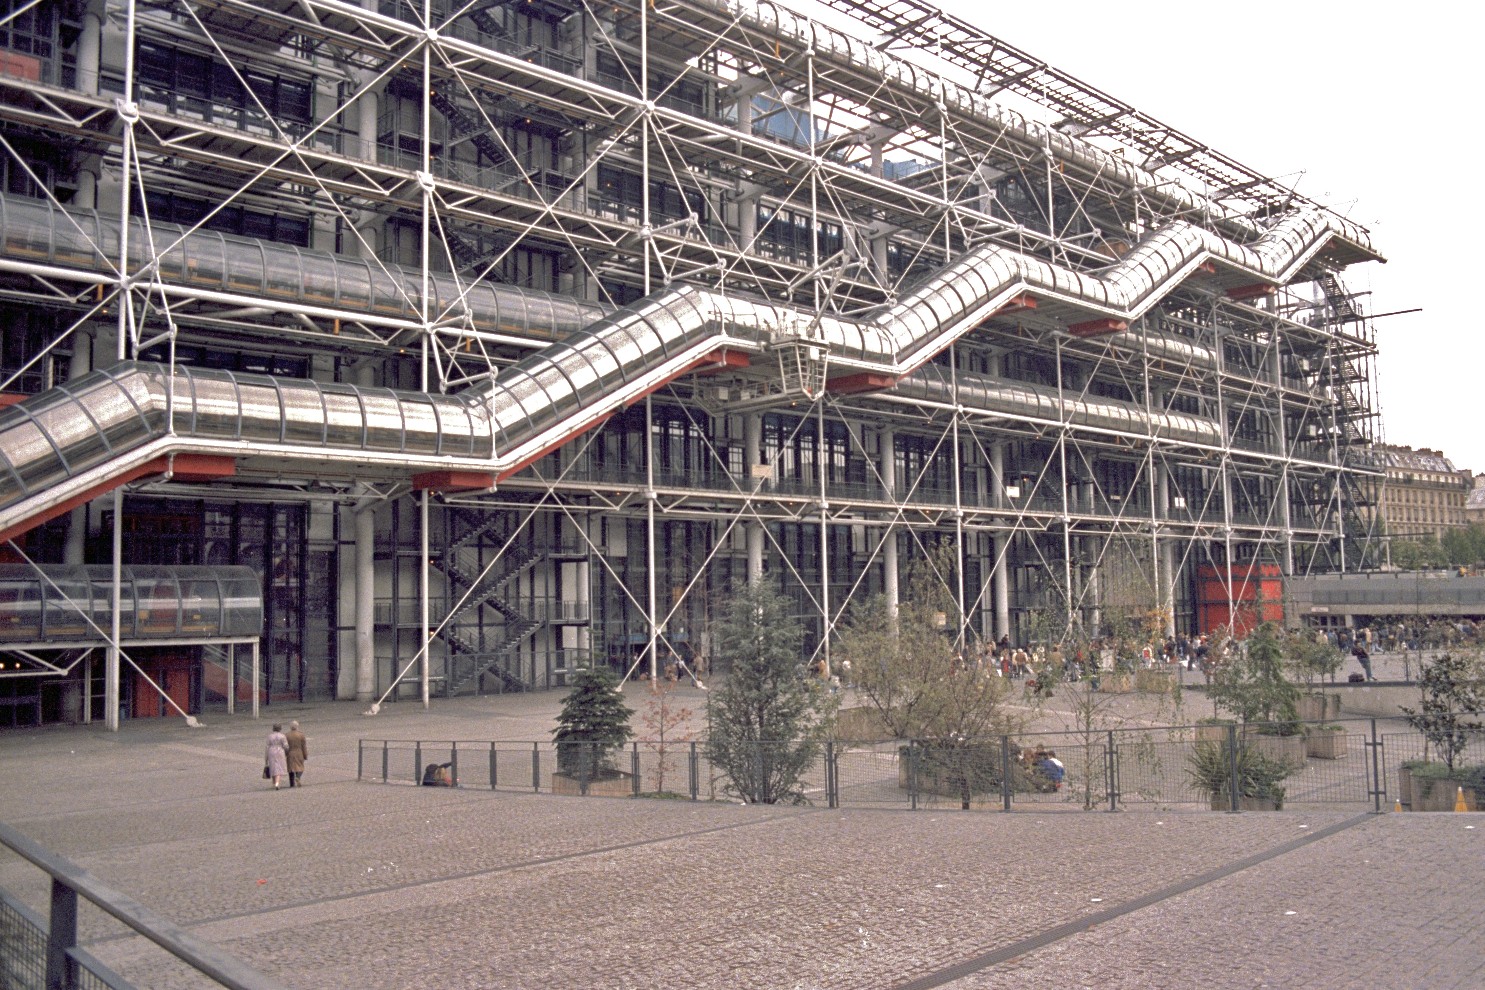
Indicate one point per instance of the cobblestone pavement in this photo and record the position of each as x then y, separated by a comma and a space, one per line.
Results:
347, 885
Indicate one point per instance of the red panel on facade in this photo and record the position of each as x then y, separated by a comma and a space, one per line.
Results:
1017, 304
196, 467
866, 381
1240, 596
20, 66
1242, 292
453, 481
1097, 328
720, 360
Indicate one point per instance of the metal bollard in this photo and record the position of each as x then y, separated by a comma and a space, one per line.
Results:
695, 773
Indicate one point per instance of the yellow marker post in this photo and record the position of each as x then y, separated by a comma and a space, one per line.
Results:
1459, 799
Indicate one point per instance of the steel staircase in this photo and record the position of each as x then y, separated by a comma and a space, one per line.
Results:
477, 646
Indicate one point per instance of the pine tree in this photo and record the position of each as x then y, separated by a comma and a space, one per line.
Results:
770, 718
592, 725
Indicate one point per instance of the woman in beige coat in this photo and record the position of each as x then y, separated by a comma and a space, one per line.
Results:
298, 753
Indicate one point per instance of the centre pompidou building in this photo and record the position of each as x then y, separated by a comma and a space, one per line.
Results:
504, 337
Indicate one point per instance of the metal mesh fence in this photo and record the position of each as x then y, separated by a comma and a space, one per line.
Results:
1342, 764
22, 946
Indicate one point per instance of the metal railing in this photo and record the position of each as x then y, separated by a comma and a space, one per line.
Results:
1345, 763
44, 954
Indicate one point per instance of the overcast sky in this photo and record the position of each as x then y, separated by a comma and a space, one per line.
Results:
1375, 105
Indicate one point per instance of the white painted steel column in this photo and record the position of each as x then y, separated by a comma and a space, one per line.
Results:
90, 48
879, 241
752, 455
825, 616
425, 624
958, 503
887, 454
77, 520
1000, 544
129, 114
365, 610
1276, 369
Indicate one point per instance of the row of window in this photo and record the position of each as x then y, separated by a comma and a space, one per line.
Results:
198, 86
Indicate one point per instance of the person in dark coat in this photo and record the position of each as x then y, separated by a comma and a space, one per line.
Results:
297, 754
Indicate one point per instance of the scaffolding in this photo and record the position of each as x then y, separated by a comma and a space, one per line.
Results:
523, 332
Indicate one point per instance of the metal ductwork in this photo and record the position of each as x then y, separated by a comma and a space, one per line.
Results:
276, 276
57, 605
75, 441
1022, 400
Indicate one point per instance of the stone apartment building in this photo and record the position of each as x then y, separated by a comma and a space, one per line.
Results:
1424, 494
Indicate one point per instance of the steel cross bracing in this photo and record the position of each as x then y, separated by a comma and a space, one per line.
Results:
602, 152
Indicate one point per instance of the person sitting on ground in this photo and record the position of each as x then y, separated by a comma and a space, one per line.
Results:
1048, 769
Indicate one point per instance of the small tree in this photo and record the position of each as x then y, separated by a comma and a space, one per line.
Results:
665, 728
769, 720
592, 725
905, 666
1250, 683
1453, 686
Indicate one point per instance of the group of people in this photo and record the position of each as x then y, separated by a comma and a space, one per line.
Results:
285, 755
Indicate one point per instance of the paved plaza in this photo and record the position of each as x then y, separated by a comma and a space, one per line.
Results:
346, 884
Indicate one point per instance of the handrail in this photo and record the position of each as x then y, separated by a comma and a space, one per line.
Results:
69, 880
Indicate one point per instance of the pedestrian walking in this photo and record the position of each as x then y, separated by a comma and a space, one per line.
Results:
298, 752
276, 755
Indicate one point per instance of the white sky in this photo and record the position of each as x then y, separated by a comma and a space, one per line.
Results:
1376, 105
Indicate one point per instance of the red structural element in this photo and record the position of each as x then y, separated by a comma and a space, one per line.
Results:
195, 467
866, 381
11, 398
1256, 595
1242, 292
555, 445
1097, 328
453, 481
20, 66
1017, 303
722, 360
1208, 267
182, 467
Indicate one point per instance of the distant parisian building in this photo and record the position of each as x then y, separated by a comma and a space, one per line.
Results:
1424, 495
1474, 503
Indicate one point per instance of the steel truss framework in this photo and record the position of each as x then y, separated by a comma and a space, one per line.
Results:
1168, 375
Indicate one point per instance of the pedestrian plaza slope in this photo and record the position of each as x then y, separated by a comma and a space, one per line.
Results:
353, 884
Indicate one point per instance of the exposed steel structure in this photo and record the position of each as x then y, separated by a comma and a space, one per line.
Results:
505, 336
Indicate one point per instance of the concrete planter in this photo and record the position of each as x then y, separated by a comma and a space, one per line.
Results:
1161, 681
1222, 802
1216, 733
617, 784
1289, 749
1439, 794
1326, 744
1318, 707
1405, 788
